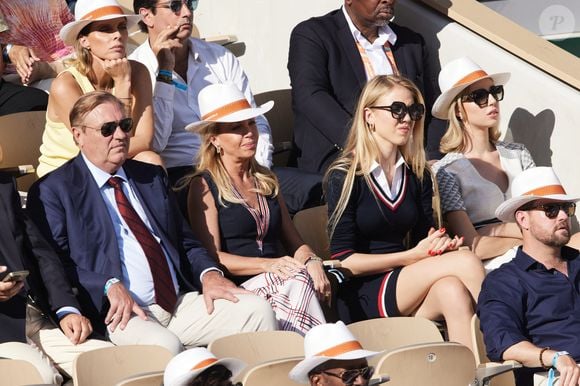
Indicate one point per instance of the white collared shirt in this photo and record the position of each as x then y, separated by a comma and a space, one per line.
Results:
379, 174
137, 276
374, 50
177, 106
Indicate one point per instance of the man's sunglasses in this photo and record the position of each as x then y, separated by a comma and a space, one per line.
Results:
399, 110
348, 377
553, 208
176, 5
108, 128
481, 95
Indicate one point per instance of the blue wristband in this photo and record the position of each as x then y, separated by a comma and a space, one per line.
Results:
551, 373
109, 283
166, 73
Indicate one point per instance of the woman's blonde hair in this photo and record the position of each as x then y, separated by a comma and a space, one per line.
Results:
209, 159
456, 138
361, 148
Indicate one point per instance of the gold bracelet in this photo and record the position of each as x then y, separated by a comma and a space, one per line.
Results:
313, 258
541, 360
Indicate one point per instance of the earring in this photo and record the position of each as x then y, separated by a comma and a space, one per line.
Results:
371, 126
218, 149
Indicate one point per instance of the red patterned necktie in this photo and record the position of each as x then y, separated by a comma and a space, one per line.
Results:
162, 282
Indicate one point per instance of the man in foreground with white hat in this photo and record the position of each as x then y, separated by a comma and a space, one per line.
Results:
529, 307
333, 356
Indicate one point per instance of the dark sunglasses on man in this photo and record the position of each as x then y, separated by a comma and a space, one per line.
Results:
481, 95
108, 128
176, 5
348, 377
399, 110
552, 209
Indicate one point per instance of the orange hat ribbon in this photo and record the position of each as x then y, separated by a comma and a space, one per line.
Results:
471, 77
104, 11
340, 349
546, 190
204, 363
226, 109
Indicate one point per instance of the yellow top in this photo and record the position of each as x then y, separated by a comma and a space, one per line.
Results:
58, 145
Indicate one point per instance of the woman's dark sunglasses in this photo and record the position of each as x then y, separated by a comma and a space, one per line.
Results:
175, 5
481, 95
108, 128
552, 209
399, 110
349, 376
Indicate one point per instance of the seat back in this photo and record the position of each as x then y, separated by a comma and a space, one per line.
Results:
391, 333
480, 355
281, 119
18, 372
107, 366
434, 364
312, 224
271, 373
20, 138
150, 379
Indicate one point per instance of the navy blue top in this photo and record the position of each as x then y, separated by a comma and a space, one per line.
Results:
239, 230
524, 301
372, 223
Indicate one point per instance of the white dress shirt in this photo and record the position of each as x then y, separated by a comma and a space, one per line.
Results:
176, 106
374, 50
391, 190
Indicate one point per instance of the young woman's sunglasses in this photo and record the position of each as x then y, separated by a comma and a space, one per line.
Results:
481, 95
552, 209
399, 110
175, 5
349, 376
108, 128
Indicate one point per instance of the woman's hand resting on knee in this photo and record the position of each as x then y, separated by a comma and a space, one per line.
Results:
437, 243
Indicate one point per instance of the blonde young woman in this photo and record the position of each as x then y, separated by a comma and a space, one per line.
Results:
379, 193
475, 175
99, 35
236, 211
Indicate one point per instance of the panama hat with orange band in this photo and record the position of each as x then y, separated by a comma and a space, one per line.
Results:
325, 342
187, 365
89, 11
455, 77
225, 103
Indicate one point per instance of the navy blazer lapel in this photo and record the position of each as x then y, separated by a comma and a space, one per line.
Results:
8, 247
399, 53
349, 49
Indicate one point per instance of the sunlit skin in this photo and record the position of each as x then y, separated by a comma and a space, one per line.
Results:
107, 153
479, 118
337, 367
368, 15
166, 19
107, 38
238, 140
552, 232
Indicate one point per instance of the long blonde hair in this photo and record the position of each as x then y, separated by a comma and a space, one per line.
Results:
361, 148
209, 159
456, 138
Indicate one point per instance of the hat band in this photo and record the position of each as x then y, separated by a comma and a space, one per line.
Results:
546, 190
226, 110
340, 349
471, 77
204, 363
104, 11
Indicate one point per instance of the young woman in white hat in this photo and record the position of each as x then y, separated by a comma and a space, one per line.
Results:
237, 212
476, 172
379, 194
99, 36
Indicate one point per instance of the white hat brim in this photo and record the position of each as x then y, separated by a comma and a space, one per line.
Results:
300, 372
238, 116
69, 32
234, 365
506, 210
441, 106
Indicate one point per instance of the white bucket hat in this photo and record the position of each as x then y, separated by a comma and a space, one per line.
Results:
224, 102
187, 365
455, 77
88, 11
326, 342
532, 184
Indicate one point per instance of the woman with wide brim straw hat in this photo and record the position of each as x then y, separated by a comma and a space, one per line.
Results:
236, 210
475, 174
99, 36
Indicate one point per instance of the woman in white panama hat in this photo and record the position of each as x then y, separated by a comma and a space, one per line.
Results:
99, 36
475, 175
379, 193
236, 210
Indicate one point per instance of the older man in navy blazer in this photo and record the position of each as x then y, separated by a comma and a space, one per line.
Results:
124, 244
330, 60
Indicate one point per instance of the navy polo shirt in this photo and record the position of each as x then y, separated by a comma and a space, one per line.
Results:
524, 301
